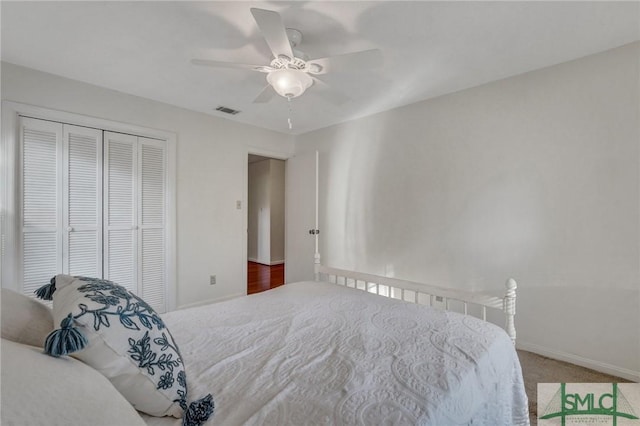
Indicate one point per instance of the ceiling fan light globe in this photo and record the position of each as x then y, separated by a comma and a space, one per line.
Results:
289, 83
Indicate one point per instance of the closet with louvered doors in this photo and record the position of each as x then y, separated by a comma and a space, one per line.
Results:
92, 204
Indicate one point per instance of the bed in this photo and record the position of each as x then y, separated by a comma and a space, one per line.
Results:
334, 351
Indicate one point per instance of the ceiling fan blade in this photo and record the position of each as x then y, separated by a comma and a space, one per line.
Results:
348, 61
265, 95
273, 31
328, 93
220, 64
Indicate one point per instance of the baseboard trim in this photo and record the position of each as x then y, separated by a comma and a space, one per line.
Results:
275, 262
602, 367
210, 301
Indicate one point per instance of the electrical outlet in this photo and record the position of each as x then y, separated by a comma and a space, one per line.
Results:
212, 280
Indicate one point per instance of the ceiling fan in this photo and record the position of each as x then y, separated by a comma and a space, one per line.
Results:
291, 72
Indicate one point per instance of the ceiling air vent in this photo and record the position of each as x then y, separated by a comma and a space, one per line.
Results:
227, 110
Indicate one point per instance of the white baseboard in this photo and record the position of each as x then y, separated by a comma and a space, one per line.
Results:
602, 367
210, 301
275, 262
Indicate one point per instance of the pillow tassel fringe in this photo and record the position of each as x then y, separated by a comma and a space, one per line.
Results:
66, 340
46, 291
198, 411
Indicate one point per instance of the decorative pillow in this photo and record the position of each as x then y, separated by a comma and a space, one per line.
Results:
121, 336
25, 320
40, 390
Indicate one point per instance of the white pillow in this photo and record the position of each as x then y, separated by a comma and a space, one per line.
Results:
121, 336
41, 390
25, 320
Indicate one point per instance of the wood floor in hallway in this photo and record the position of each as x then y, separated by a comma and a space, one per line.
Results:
263, 277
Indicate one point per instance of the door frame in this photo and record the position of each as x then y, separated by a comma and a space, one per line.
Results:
276, 155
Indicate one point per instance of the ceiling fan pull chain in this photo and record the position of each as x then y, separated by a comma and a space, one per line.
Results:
289, 119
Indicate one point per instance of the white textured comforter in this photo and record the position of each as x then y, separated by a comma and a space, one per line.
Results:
320, 354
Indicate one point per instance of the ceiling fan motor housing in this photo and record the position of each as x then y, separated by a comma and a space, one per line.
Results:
296, 63
283, 62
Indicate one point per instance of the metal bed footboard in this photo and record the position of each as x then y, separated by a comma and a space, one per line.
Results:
414, 292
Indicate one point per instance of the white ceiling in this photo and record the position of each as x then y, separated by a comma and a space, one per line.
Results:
429, 48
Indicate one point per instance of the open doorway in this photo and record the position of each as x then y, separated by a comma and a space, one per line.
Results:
265, 223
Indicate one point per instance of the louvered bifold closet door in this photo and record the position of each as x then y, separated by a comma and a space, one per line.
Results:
82, 200
41, 202
120, 210
151, 220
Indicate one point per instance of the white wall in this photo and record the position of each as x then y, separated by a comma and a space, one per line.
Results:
259, 213
277, 210
211, 172
534, 177
266, 212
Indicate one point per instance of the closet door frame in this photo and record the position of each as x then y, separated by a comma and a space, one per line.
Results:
10, 195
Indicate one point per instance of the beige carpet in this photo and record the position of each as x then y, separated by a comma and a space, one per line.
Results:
539, 369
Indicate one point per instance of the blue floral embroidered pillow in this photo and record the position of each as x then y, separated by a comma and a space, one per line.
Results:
118, 334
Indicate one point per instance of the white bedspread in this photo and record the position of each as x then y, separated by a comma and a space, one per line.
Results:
320, 354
